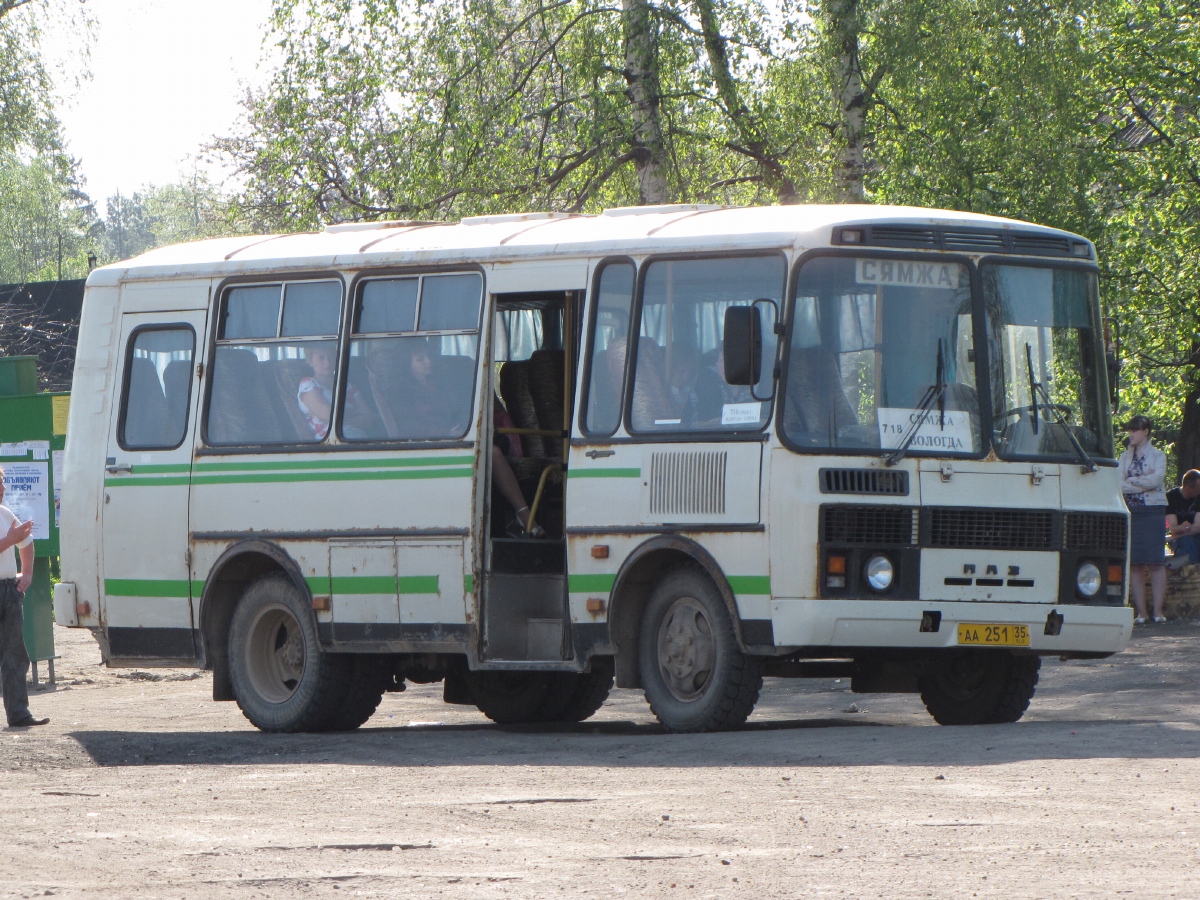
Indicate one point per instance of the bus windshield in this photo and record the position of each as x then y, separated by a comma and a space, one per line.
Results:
1047, 362
882, 357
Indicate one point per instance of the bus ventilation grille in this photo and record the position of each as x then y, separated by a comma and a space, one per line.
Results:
991, 529
864, 481
1095, 533
872, 525
688, 483
969, 240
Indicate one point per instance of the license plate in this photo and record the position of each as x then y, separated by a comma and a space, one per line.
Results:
981, 635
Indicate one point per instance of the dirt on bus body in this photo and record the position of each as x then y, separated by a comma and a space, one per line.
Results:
143, 787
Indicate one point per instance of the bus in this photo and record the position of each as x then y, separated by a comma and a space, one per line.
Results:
676, 448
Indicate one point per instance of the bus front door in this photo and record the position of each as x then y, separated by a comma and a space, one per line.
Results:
146, 607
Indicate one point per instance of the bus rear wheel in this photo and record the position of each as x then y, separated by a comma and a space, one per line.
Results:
694, 675
282, 680
978, 687
368, 680
513, 698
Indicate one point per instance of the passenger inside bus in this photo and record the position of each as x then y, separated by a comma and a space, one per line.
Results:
314, 395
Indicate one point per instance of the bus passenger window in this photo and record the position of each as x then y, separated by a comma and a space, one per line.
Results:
678, 377
610, 333
413, 357
275, 368
154, 402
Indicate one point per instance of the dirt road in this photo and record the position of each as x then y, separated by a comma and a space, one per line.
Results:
143, 787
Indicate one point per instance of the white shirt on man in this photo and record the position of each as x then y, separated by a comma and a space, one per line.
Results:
8, 558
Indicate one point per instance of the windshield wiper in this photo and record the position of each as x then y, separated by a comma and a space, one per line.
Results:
1036, 388
935, 393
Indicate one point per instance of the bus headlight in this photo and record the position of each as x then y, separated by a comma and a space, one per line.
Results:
1088, 580
880, 572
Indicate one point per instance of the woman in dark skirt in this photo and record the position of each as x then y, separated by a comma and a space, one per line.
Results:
1143, 468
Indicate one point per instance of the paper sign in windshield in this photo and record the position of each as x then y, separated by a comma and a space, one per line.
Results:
910, 273
948, 432
741, 413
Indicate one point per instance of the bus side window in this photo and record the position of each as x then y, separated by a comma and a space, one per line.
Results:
154, 402
413, 358
277, 344
610, 333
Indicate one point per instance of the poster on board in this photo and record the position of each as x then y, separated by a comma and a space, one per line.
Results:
27, 494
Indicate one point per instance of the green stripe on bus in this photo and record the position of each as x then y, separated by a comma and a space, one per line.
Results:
469, 584
318, 585
147, 482
292, 477
285, 465
146, 587
604, 473
579, 584
385, 584
750, 584
364, 584
159, 469
419, 584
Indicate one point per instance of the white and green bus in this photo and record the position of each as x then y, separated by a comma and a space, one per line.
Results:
804, 441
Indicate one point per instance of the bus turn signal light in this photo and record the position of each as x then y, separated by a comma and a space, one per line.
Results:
836, 565
1115, 573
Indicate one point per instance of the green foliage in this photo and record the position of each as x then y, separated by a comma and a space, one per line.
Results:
46, 223
167, 214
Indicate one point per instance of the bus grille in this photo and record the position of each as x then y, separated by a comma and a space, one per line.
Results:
873, 525
864, 481
1095, 532
991, 529
688, 483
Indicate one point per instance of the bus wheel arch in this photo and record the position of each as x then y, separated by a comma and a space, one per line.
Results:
635, 581
237, 568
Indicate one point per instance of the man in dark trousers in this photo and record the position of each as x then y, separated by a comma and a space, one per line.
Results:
1182, 504
14, 660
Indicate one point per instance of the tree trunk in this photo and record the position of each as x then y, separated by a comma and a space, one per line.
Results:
843, 28
1187, 444
753, 140
640, 36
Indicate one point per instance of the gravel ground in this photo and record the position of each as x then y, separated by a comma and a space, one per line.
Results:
143, 787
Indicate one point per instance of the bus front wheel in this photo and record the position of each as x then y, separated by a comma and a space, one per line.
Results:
282, 680
694, 675
978, 687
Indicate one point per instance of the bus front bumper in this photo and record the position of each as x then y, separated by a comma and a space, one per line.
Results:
926, 624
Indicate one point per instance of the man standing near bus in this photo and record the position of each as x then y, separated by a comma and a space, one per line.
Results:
14, 660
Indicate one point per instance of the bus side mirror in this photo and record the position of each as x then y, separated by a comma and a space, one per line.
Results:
742, 350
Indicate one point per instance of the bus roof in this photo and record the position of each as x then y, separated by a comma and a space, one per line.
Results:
508, 238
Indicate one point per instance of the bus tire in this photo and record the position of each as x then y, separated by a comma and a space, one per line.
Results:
516, 698
368, 679
978, 687
281, 678
694, 675
586, 692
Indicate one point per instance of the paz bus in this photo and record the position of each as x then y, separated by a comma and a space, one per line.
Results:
805, 441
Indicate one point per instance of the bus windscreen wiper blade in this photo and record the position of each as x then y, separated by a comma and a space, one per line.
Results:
935, 393
1060, 420
1033, 386
1037, 388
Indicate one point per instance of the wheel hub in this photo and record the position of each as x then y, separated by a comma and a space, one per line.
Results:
275, 654
686, 649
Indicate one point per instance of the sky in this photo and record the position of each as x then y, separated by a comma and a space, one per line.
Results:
166, 76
